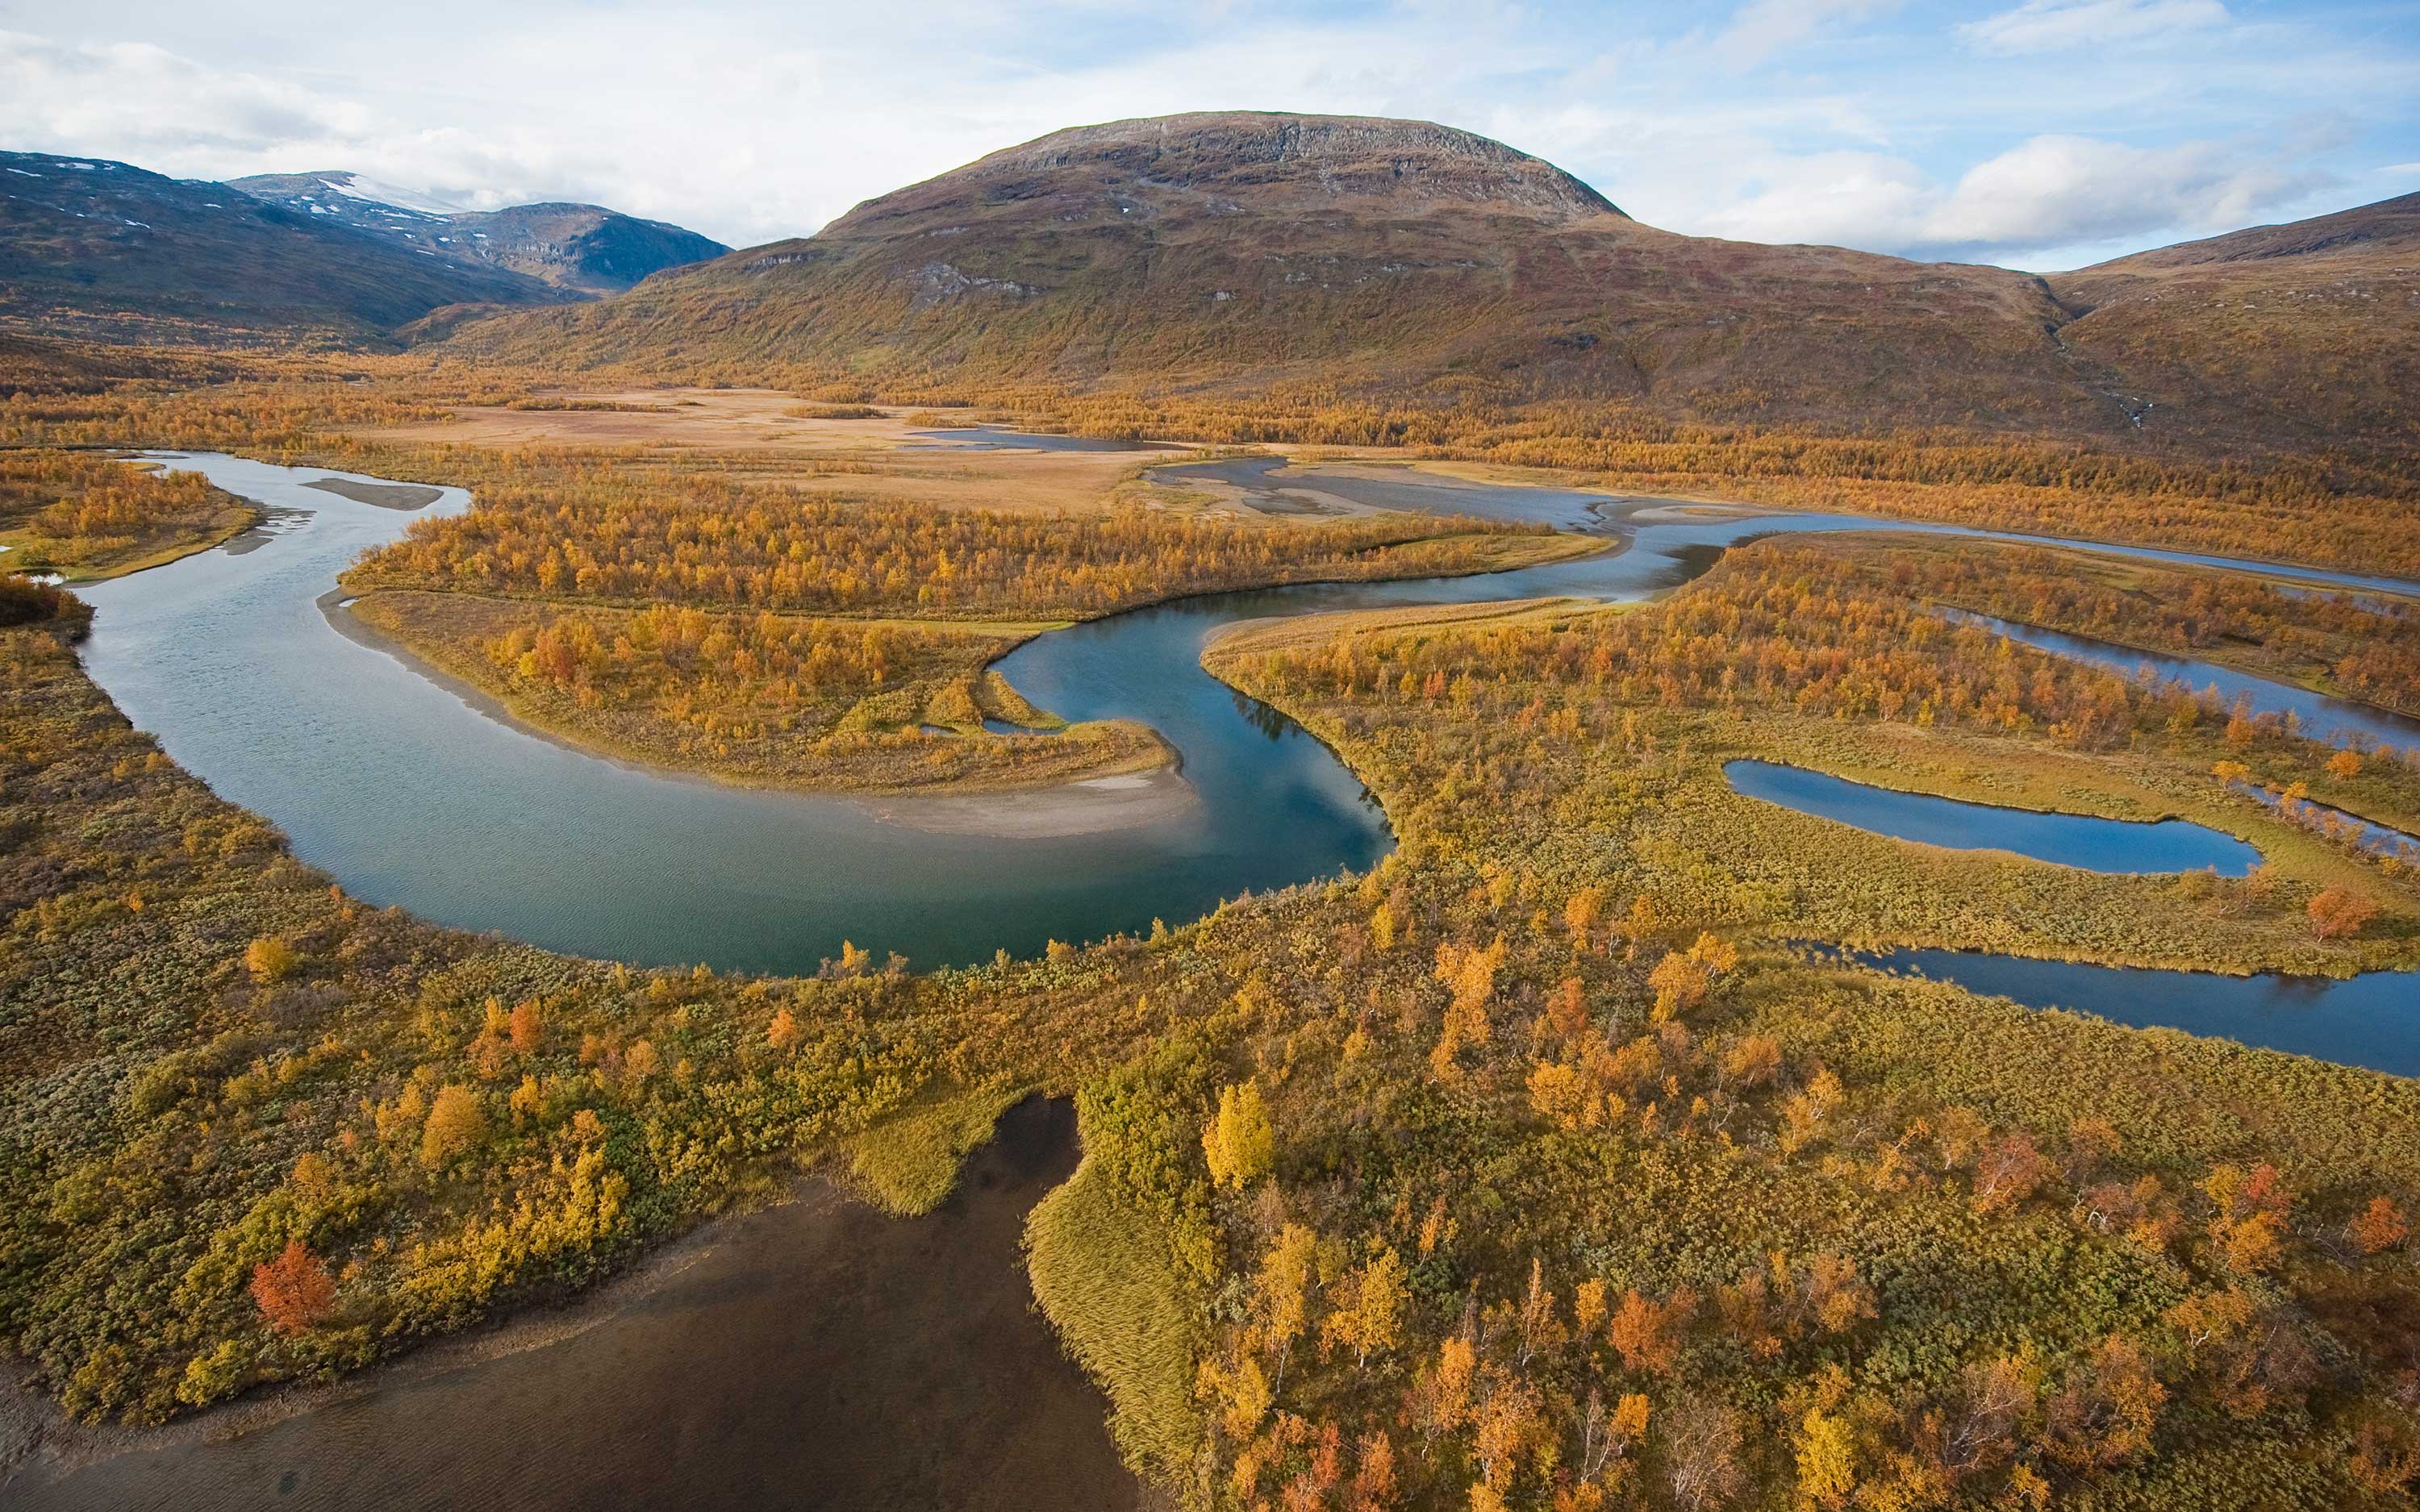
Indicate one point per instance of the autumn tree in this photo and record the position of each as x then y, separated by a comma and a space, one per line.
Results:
1646, 1334
2006, 1172
271, 959
1440, 1397
528, 1026
1583, 911
1567, 1014
1239, 1142
2105, 1413
1510, 1420
782, 1031
2248, 1219
1683, 979
1242, 1392
1977, 1431
2380, 1225
1643, 920
2340, 913
1373, 1475
1606, 1436
1701, 1452
1281, 1294
455, 1123
1540, 1327
1369, 1319
1827, 1460
294, 1290
1470, 974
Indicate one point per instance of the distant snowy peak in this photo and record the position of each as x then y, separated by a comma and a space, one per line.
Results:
348, 196
585, 249
380, 192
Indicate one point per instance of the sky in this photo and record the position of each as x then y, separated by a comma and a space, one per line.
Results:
2038, 134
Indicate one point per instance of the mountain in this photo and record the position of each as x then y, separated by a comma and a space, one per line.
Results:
1387, 257
97, 249
2311, 329
1409, 262
584, 248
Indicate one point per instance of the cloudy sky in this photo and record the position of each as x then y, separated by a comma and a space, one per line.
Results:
2041, 134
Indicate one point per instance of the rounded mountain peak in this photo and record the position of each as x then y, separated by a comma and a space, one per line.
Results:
1264, 162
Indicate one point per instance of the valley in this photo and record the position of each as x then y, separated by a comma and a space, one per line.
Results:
1311, 824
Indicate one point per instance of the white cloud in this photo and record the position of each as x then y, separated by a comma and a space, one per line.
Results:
2052, 25
1763, 27
152, 103
2049, 192
756, 119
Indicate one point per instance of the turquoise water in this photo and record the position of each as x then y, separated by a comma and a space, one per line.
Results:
412, 795
2085, 840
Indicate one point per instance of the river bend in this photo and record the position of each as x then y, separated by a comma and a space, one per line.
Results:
412, 794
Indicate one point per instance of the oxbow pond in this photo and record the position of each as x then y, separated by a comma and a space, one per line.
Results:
2085, 840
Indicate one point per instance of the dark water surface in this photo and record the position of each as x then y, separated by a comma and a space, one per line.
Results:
2087, 841
814, 1355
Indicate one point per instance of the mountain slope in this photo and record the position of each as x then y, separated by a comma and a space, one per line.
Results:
102, 249
1400, 260
1386, 256
584, 248
2307, 332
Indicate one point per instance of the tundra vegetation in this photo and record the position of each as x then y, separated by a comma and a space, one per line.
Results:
84, 515
767, 632
765, 699
2356, 646
1539, 1167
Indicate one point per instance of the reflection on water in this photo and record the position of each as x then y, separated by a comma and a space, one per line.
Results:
412, 796
2119, 847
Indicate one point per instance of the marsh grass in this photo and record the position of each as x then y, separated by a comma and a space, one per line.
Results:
1104, 1279
909, 1164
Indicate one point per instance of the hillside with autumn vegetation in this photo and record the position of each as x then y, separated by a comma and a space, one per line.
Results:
1406, 261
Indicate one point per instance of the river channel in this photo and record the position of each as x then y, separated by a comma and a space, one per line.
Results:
413, 793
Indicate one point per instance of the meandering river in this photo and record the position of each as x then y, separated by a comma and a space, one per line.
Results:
413, 793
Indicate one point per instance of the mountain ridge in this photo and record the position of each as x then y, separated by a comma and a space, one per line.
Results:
588, 249
92, 247
1406, 263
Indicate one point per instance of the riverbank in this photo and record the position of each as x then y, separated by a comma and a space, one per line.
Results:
920, 730
89, 518
1639, 788
1325, 997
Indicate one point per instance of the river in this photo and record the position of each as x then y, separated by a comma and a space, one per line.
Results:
412, 795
